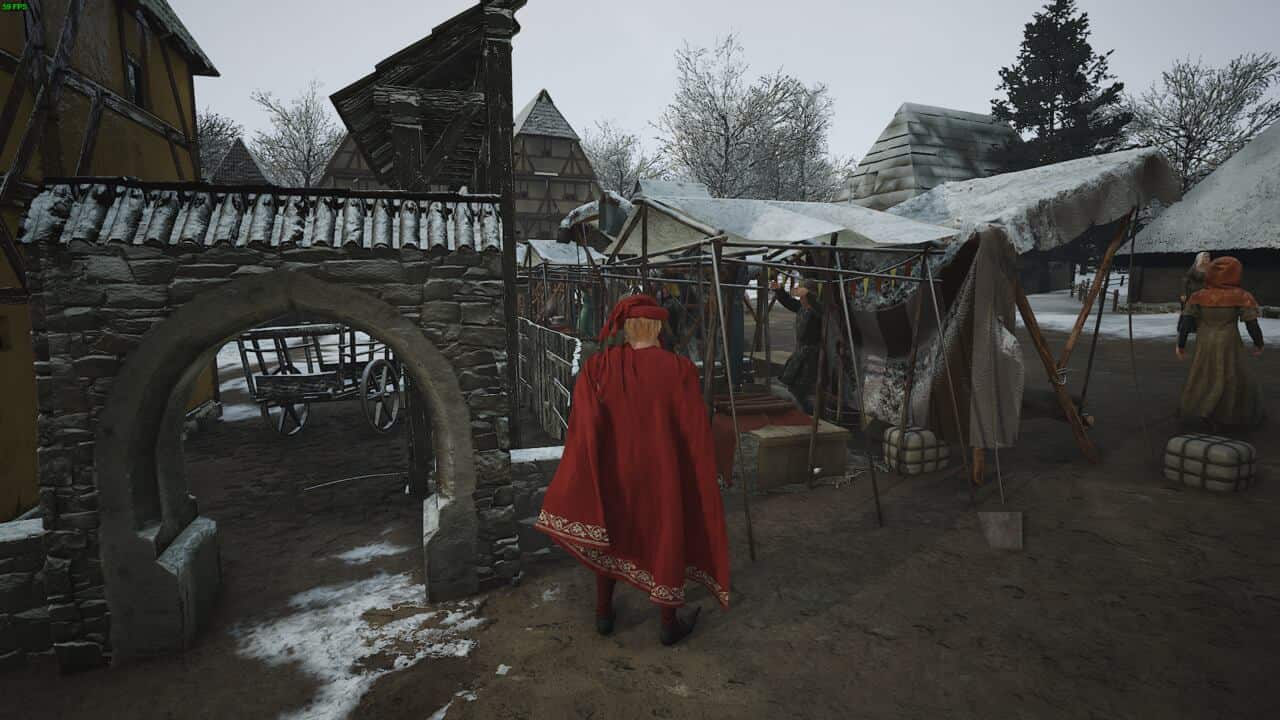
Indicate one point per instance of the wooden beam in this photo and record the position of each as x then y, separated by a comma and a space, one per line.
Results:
46, 95
85, 162
1059, 389
644, 252
173, 85
177, 163
22, 71
499, 121
439, 152
1122, 234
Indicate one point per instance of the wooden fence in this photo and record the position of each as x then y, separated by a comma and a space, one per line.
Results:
547, 372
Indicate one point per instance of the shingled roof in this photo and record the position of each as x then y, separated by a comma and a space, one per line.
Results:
105, 210
168, 19
923, 147
542, 117
238, 167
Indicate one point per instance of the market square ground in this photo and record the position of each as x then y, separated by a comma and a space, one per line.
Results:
1132, 599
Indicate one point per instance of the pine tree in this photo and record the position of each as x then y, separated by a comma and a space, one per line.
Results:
1058, 92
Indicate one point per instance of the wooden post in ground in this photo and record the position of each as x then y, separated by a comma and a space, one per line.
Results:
979, 466
1059, 388
1122, 234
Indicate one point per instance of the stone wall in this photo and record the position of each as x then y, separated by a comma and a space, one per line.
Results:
92, 306
24, 573
531, 471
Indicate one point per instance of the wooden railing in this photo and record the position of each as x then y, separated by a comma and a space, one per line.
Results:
548, 366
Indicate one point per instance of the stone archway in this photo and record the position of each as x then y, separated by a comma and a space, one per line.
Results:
159, 557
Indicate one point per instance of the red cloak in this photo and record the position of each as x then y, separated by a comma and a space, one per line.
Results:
635, 496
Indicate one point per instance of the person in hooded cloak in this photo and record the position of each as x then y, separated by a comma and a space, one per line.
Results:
635, 497
1219, 389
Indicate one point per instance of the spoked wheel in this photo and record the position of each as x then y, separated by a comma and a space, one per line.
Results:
380, 394
283, 416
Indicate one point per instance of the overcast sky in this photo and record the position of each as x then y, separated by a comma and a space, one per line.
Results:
614, 59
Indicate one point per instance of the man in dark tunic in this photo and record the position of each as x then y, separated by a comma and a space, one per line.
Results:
801, 371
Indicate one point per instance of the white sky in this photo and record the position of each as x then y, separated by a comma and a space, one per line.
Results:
614, 60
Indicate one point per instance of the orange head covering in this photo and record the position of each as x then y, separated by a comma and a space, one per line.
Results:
1222, 286
632, 306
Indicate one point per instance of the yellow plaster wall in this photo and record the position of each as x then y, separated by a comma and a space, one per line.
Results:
122, 148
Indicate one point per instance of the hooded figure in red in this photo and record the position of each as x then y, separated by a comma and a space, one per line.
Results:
635, 497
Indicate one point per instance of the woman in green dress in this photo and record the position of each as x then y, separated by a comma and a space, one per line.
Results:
1219, 389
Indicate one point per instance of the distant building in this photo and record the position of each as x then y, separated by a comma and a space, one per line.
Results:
347, 168
237, 167
923, 147
126, 106
552, 173
1234, 211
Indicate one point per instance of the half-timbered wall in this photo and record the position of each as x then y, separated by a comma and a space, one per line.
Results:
552, 176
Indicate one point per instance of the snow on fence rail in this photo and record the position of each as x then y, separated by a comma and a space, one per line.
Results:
548, 365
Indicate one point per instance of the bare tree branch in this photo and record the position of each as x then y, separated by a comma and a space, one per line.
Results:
215, 133
618, 158
765, 139
302, 137
1199, 116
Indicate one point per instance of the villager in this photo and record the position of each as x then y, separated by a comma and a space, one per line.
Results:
1219, 389
635, 497
800, 372
1194, 280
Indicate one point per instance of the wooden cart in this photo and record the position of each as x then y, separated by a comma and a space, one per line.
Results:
297, 365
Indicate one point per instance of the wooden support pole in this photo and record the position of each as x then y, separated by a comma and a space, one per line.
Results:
905, 416
1122, 234
979, 466
644, 248
1059, 388
733, 407
766, 280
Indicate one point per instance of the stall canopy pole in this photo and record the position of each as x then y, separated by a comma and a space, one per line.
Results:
1104, 269
951, 386
862, 398
733, 407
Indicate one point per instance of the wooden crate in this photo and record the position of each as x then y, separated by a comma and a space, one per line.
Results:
783, 455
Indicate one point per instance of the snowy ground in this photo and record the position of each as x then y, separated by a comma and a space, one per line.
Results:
1058, 311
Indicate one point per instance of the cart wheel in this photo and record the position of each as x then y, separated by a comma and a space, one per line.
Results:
380, 394
285, 417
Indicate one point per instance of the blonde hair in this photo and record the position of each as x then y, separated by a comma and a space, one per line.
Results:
642, 330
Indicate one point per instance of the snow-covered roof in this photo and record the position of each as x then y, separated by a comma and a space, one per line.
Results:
200, 64
558, 253
670, 188
542, 117
1050, 206
1237, 207
677, 221
922, 147
591, 210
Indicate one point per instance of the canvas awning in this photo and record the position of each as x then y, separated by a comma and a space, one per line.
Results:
678, 221
558, 253
1237, 207
1047, 207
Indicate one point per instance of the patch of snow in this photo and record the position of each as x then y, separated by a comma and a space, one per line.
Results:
504, 669
240, 412
368, 553
577, 356
328, 636
467, 695
1058, 311
551, 593
439, 714
528, 455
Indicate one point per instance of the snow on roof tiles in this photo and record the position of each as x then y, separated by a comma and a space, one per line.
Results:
138, 213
